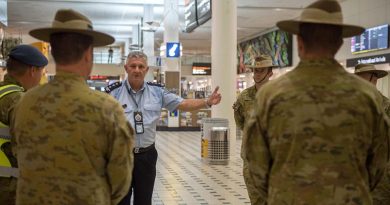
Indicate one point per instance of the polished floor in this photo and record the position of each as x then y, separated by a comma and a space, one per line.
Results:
184, 179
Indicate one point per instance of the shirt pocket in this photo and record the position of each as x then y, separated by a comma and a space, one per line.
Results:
248, 105
151, 113
129, 115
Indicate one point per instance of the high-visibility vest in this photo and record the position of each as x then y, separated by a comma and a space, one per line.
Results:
6, 169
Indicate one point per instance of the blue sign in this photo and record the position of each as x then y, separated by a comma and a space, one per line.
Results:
173, 113
173, 50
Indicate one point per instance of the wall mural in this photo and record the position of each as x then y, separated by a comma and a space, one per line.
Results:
277, 44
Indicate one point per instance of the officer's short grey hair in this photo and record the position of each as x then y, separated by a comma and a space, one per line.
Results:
137, 54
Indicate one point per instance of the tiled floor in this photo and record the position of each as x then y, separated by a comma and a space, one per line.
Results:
183, 179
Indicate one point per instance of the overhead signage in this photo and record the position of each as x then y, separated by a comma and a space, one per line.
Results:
201, 69
377, 59
173, 50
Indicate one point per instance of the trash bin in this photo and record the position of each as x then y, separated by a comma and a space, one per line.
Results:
215, 140
219, 145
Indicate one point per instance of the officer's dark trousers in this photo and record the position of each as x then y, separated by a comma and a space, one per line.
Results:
144, 174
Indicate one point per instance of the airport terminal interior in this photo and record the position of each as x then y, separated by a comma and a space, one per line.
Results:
194, 46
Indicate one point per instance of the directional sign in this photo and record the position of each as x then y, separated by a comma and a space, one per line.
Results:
173, 50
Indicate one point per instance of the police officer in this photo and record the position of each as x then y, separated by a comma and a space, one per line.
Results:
318, 134
368, 72
142, 103
24, 70
262, 71
73, 143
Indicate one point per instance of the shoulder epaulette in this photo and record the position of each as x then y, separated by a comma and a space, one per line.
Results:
155, 84
112, 87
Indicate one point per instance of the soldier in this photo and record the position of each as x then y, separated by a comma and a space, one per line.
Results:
262, 71
318, 134
371, 74
381, 194
73, 143
24, 67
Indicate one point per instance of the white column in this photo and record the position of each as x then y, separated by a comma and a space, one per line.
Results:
171, 32
224, 61
126, 48
135, 36
148, 41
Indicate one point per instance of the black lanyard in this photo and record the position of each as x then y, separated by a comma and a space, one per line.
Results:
132, 96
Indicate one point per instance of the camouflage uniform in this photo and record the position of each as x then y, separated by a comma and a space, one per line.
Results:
243, 106
381, 193
318, 135
7, 104
242, 110
73, 143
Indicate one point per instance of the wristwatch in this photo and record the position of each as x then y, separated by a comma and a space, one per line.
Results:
207, 103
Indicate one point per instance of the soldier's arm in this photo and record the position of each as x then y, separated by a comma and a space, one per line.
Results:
238, 114
120, 155
257, 160
8, 107
378, 157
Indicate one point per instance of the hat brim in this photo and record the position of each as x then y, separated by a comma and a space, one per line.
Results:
252, 66
99, 38
292, 26
379, 73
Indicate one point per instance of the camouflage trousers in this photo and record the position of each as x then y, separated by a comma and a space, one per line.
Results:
8, 190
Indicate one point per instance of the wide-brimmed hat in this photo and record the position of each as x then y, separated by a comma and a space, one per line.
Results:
321, 12
70, 21
262, 61
370, 68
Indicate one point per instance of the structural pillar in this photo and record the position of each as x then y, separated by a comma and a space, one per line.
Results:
135, 38
171, 32
224, 61
148, 41
171, 66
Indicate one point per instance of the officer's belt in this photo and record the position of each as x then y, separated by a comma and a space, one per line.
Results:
9, 172
139, 150
4, 133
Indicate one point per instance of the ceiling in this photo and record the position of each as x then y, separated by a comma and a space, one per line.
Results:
117, 17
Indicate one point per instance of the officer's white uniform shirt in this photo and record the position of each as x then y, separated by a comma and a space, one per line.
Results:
150, 99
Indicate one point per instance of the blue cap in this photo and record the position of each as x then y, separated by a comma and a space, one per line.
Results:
28, 55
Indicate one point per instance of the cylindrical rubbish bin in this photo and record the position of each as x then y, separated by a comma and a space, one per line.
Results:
219, 145
215, 140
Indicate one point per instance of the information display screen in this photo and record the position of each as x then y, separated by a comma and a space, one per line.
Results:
3, 13
190, 22
203, 11
371, 39
201, 69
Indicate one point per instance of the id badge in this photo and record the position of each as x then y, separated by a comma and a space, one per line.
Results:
138, 123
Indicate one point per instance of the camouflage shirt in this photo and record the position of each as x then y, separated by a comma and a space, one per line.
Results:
318, 136
386, 105
74, 145
243, 106
381, 193
7, 103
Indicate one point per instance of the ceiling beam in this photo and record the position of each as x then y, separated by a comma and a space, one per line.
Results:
113, 2
268, 8
88, 2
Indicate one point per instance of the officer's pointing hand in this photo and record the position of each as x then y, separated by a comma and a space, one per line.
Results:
215, 97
